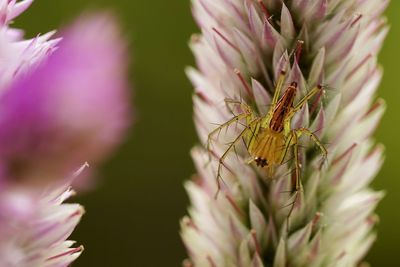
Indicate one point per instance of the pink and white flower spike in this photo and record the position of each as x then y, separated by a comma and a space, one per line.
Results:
242, 49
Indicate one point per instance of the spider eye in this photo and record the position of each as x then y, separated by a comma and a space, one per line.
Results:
261, 162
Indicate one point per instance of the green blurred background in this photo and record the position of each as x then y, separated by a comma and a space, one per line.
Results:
133, 216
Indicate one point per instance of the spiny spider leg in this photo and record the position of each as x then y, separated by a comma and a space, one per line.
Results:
297, 185
316, 140
305, 99
243, 106
295, 135
278, 89
230, 147
295, 141
224, 125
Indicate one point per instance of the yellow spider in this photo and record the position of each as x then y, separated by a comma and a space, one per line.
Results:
268, 138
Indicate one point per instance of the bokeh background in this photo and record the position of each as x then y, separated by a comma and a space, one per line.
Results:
133, 215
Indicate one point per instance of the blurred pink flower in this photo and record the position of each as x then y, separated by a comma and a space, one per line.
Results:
19, 55
34, 226
72, 108
62, 103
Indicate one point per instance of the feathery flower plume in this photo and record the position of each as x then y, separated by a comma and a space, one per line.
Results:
241, 52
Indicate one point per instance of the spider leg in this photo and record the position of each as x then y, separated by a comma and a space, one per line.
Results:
236, 118
228, 102
316, 140
305, 99
230, 147
278, 88
285, 148
293, 141
296, 161
251, 139
295, 135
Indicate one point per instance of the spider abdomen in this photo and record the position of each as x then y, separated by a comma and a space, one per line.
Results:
270, 147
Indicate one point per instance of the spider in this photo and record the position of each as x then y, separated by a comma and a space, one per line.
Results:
268, 138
